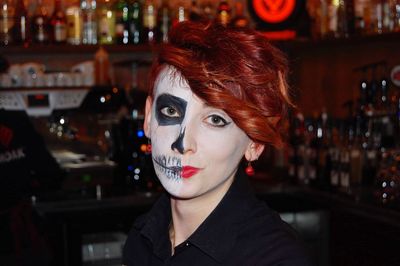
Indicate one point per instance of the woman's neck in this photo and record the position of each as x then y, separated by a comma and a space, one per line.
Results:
188, 214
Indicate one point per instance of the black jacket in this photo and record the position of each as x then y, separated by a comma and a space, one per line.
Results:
240, 231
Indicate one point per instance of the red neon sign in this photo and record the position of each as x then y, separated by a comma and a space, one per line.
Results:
274, 11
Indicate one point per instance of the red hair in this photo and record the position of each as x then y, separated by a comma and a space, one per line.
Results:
236, 70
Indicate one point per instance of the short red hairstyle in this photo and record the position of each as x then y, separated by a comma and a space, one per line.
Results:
236, 70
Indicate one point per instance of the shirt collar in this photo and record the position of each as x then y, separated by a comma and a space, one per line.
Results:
216, 236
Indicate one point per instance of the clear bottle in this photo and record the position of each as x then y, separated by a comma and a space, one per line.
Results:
149, 22
135, 22
181, 13
40, 24
106, 27
122, 22
21, 28
89, 21
58, 23
163, 21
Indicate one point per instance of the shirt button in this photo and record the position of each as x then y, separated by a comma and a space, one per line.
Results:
187, 244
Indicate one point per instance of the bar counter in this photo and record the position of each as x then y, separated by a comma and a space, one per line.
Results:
339, 229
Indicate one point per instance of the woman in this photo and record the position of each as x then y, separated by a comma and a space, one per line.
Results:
216, 95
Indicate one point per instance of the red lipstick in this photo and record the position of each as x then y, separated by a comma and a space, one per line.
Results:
189, 171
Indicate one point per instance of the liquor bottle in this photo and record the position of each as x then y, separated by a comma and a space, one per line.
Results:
342, 30
21, 28
223, 13
122, 22
239, 20
102, 67
311, 163
40, 24
163, 21
149, 22
74, 25
334, 152
181, 13
58, 23
106, 25
195, 12
344, 160
208, 10
89, 21
6, 22
135, 22
323, 144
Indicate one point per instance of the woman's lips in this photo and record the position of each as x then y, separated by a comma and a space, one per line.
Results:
189, 171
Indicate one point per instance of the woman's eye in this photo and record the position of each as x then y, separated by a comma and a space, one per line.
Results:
217, 121
169, 111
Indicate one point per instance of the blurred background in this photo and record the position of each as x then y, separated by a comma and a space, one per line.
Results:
75, 166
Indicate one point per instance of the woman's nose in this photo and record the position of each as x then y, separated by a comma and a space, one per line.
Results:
184, 143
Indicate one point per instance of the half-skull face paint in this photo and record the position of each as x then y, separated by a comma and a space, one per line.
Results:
196, 148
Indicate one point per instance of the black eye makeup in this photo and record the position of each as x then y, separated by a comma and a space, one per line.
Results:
217, 121
170, 110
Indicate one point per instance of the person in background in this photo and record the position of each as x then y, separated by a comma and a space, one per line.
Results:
26, 169
217, 97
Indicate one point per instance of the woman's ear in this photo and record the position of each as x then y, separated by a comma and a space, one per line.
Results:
253, 151
147, 117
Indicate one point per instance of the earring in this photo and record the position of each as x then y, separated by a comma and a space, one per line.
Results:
148, 148
249, 169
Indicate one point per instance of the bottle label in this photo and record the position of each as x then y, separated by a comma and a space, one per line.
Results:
60, 32
74, 25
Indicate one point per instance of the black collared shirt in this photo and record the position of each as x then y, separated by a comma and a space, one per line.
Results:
241, 230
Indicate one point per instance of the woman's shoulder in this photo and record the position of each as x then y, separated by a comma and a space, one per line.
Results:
265, 237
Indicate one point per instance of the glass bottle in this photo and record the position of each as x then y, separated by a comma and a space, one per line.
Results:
106, 25
40, 24
239, 20
208, 10
74, 22
102, 67
58, 23
181, 13
20, 30
89, 21
223, 13
195, 12
163, 21
149, 22
121, 24
6, 22
135, 22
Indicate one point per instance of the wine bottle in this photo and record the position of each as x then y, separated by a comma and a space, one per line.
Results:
40, 24
135, 22
58, 23
6, 22
21, 28
122, 22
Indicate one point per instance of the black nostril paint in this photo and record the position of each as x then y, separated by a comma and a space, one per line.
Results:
178, 143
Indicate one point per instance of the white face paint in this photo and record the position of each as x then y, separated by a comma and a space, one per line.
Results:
196, 148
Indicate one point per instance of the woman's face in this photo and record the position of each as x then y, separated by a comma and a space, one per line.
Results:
196, 148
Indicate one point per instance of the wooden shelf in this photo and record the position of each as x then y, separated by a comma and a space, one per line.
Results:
49, 49
311, 45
